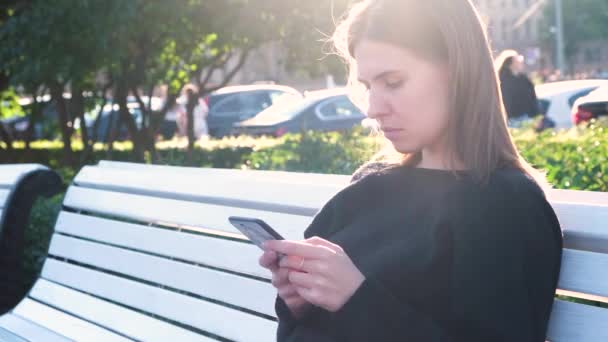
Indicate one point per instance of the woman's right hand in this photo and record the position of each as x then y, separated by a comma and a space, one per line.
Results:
296, 304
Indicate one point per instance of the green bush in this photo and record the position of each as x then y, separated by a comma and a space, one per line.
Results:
574, 159
316, 152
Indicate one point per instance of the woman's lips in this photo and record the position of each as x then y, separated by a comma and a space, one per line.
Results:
392, 133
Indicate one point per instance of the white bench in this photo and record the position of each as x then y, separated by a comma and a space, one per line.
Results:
20, 186
147, 253
14, 176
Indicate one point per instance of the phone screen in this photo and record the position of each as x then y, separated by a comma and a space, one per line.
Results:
255, 229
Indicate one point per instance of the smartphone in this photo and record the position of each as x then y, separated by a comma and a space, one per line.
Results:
255, 229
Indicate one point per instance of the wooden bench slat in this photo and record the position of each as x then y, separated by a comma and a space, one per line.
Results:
584, 226
128, 322
63, 323
28, 330
304, 197
286, 176
237, 256
581, 272
578, 196
3, 197
582, 217
175, 212
554, 195
259, 296
577, 322
206, 316
6, 335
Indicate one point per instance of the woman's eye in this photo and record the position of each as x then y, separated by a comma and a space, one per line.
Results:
394, 84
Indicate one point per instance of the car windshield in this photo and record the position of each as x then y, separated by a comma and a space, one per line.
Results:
286, 107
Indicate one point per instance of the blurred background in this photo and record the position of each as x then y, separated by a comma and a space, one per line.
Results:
253, 84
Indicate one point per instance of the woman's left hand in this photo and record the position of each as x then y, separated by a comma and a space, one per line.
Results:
321, 271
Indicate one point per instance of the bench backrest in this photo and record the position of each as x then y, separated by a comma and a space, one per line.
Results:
148, 252
10, 177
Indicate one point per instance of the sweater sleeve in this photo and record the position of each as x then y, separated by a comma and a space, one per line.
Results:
291, 328
503, 265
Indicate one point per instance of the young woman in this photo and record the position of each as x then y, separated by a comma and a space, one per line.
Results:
455, 240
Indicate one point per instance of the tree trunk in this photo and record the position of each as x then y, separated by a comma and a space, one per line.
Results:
147, 136
6, 137
78, 111
127, 119
35, 116
109, 133
64, 122
192, 101
88, 151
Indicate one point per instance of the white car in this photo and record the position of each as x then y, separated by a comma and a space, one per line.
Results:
556, 99
591, 106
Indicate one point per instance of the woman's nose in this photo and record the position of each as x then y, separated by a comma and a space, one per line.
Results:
377, 106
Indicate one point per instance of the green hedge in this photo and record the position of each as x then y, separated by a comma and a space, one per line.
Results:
574, 159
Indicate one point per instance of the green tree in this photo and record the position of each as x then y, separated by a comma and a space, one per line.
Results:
583, 20
136, 46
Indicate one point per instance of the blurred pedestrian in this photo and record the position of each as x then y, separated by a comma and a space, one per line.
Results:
518, 94
191, 101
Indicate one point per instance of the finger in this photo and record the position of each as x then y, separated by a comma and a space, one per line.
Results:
291, 261
300, 279
308, 266
298, 248
268, 260
312, 296
287, 292
318, 241
280, 277
295, 301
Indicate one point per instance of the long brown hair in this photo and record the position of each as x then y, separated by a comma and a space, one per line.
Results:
449, 31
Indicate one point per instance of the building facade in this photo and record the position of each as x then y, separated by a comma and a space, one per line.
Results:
516, 24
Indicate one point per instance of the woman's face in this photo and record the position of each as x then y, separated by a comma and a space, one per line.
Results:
517, 65
408, 96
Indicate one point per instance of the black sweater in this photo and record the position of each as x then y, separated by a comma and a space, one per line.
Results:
445, 259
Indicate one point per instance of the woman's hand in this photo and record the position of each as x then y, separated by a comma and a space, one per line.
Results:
321, 272
287, 291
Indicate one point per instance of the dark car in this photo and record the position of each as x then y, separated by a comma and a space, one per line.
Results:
327, 110
110, 125
592, 106
238, 103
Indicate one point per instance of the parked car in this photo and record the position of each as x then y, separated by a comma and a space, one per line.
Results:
233, 104
326, 110
110, 120
591, 106
555, 99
